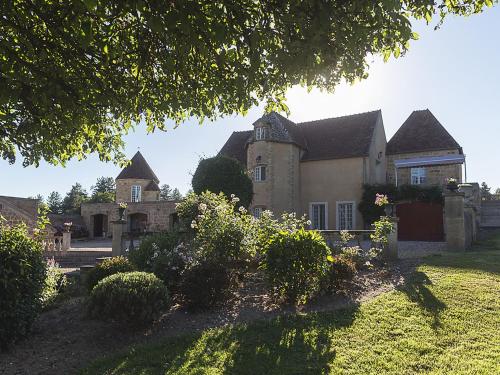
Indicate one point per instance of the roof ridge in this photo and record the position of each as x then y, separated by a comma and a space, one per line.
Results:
338, 117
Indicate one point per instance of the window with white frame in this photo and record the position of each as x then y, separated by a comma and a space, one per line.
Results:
257, 212
345, 215
418, 176
136, 193
319, 215
260, 173
260, 133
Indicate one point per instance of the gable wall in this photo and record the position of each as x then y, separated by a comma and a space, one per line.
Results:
436, 175
124, 192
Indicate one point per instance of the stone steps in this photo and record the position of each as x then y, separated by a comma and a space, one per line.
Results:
75, 258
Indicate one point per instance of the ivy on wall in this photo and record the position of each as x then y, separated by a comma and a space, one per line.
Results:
403, 193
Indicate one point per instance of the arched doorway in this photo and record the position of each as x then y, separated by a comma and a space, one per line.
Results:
100, 224
137, 223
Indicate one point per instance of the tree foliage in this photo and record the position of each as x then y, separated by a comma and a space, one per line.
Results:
223, 174
55, 203
104, 190
76, 75
74, 199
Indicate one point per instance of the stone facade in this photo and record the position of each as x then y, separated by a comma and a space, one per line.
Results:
149, 214
124, 190
292, 185
159, 215
435, 175
16, 210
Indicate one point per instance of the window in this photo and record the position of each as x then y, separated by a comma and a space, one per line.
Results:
345, 215
319, 215
136, 193
418, 176
257, 212
260, 173
260, 133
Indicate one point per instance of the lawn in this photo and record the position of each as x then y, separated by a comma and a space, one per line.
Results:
446, 319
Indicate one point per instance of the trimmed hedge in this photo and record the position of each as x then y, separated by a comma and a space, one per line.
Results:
22, 280
135, 297
296, 264
226, 175
107, 268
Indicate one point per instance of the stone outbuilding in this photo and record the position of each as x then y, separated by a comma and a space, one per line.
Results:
138, 187
422, 152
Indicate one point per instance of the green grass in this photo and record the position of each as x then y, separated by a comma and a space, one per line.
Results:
446, 319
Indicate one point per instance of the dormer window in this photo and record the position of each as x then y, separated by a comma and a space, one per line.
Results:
260, 133
135, 193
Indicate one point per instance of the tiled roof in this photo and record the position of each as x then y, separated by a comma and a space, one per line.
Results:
419, 133
339, 137
152, 186
333, 138
235, 146
138, 168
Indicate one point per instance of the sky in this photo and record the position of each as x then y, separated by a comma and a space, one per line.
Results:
453, 71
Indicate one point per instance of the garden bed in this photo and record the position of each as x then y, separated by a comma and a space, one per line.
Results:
65, 340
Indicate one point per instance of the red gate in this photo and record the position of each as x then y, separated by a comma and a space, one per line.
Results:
419, 221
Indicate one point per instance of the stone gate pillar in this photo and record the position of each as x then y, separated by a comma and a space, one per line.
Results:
66, 240
454, 221
392, 240
118, 244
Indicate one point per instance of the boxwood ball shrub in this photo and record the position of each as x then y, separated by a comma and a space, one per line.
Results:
296, 264
205, 285
135, 297
22, 279
106, 268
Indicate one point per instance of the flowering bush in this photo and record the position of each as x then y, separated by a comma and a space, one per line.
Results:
220, 230
55, 281
296, 263
381, 200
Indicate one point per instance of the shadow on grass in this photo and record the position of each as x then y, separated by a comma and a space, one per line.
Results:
416, 287
290, 344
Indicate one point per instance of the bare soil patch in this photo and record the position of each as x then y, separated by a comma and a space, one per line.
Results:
65, 340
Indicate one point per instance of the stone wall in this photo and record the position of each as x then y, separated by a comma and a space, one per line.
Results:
159, 214
124, 190
436, 175
19, 210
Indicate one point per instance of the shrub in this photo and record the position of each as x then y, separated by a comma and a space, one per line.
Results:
106, 268
22, 275
204, 285
55, 282
169, 266
128, 297
151, 247
219, 230
163, 255
340, 269
223, 174
296, 263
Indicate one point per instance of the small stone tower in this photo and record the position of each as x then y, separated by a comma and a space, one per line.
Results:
137, 182
273, 157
